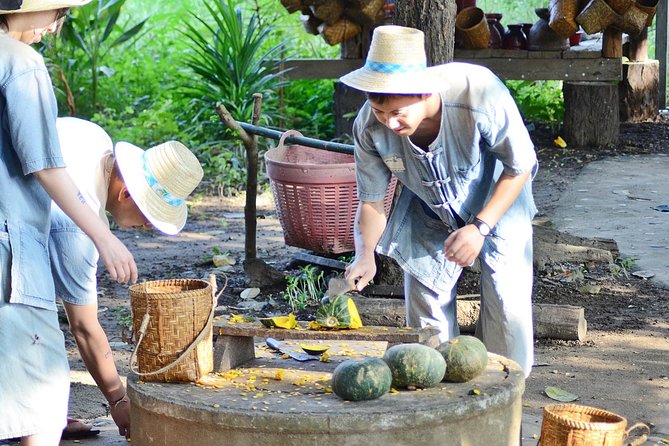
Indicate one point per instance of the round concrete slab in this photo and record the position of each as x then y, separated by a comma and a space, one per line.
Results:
275, 401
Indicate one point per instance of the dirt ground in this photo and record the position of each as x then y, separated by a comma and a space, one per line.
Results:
623, 365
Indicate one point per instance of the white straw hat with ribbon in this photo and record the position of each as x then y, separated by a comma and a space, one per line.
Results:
15, 6
396, 64
159, 180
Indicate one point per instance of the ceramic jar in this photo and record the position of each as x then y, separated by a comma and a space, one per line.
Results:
514, 39
542, 37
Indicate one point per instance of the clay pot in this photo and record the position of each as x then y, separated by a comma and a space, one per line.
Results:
497, 22
526, 30
495, 40
544, 38
471, 28
514, 39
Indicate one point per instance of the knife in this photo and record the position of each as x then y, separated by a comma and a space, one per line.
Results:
336, 287
276, 345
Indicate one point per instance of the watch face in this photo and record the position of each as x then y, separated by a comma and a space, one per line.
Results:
482, 226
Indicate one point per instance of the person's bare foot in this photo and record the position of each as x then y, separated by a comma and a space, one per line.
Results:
77, 429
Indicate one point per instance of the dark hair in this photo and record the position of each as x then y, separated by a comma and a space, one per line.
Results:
381, 98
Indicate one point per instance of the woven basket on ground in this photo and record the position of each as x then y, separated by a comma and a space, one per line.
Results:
340, 31
172, 320
329, 12
562, 15
632, 22
596, 16
575, 425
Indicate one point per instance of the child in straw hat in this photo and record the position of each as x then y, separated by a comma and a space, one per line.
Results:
34, 378
454, 138
140, 189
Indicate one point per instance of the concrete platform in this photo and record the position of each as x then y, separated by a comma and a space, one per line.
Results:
288, 403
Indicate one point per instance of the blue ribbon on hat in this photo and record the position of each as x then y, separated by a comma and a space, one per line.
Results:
155, 185
393, 68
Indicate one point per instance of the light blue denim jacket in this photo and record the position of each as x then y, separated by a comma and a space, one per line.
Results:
482, 135
28, 143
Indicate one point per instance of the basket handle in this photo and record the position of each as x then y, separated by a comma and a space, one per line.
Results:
642, 438
286, 134
145, 323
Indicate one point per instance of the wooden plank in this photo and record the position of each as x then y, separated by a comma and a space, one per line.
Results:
575, 69
661, 21
393, 335
554, 69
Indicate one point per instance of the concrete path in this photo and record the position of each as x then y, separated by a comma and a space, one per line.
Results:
618, 198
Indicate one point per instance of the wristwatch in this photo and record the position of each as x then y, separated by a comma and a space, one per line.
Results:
482, 226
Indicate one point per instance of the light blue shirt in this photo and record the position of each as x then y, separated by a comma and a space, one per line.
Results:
28, 143
482, 135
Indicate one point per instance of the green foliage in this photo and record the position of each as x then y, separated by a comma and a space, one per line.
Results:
538, 100
623, 266
305, 288
88, 35
308, 106
229, 62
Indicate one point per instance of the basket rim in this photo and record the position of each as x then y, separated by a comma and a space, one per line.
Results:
557, 411
270, 160
139, 288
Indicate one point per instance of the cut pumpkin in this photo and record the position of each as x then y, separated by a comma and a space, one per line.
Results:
315, 349
340, 312
287, 322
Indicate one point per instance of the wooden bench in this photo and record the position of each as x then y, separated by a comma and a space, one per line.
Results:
235, 345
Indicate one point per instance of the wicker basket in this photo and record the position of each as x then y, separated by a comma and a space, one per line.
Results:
315, 196
339, 32
562, 15
596, 16
574, 425
173, 322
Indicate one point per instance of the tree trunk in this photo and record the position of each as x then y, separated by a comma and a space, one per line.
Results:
436, 18
639, 91
591, 113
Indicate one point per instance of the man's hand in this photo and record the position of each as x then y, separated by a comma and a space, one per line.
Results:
117, 259
464, 245
361, 271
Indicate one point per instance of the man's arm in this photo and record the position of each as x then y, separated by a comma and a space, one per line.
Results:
370, 222
114, 254
464, 244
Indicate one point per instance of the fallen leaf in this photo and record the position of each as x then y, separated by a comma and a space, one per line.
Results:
558, 394
249, 293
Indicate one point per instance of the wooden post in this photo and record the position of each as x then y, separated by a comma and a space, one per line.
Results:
591, 113
612, 43
639, 91
638, 47
661, 21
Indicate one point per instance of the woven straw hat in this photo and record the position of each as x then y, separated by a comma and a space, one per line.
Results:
159, 181
13, 6
396, 64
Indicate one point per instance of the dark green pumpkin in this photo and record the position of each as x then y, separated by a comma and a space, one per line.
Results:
359, 380
415, 366
466, 358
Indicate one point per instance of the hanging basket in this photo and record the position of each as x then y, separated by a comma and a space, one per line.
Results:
315, 196
574, 425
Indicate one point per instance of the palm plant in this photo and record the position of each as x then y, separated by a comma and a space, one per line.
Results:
230, 60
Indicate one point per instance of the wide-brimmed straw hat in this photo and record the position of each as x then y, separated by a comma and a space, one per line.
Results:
396, 64
159, 180
13, 6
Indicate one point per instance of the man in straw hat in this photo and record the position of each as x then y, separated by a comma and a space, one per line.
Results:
140, 189
34, 378
454, 138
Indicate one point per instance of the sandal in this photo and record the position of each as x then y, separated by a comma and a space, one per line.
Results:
76, 430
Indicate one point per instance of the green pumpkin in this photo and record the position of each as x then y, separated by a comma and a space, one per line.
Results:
359, 380
466, 358
339, 312
415, 366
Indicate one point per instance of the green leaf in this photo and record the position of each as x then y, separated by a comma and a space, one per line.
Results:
558, 394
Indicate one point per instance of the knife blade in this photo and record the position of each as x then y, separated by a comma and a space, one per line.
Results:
278, 346
337, 286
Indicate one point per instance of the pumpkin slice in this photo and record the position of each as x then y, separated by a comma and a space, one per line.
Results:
287, 322
338, 313
315, 349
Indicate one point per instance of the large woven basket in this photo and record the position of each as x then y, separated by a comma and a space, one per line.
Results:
575, 425
315, 196
172, 320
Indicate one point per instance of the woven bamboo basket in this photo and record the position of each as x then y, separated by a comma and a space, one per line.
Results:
329, 12
173, 322
575, 425
596, 16
471, 28
339, 32
562, 15
632, 22
365, 12
620, 6
649, 7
